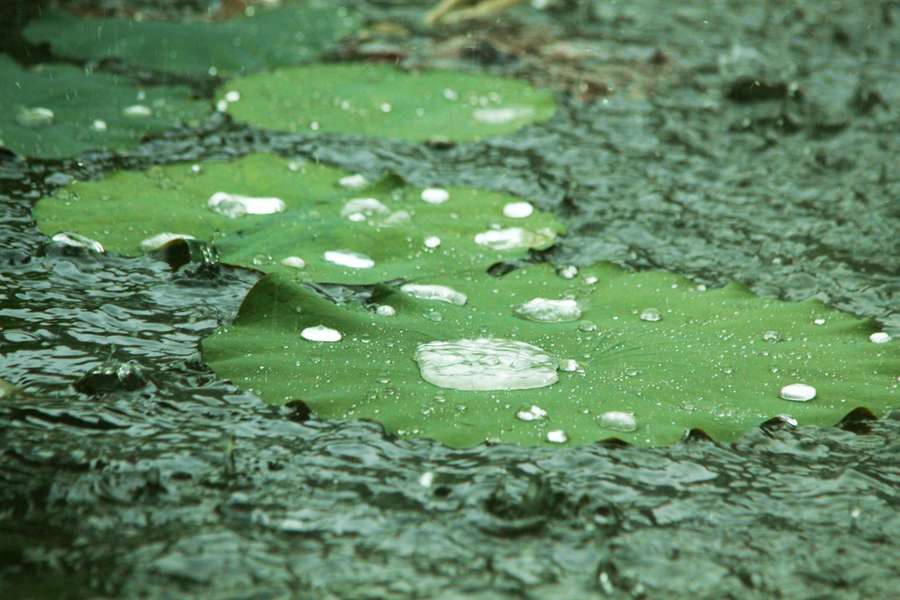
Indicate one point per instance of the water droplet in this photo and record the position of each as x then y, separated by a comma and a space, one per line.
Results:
385, 107
772, 336
880, 337
348, 258
618, 421
137, 110
432, 241
320, 333
568, 272
518, 210
550, 311
499, 116
234, 206
535, 413
296, 165
700, 287
426, 479
819, 321
789, 420
514, 237
196, 169
294, 262
557, 436
587, 327
76, 240
435, 195
221, 106
440, 293
36, 116
591, 279
99, 125
385, 310
358, 209
161, 239
485, 364
650, 314
798, 392
353, 182
451, 94
569, 365
232, 96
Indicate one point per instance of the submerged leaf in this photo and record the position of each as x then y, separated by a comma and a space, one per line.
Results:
382, 101
706, 363
282, 36
52, 111
325, 232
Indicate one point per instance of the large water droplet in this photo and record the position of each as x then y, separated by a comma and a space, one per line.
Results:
518, 210
360, 208
234, 206
485, 364
137, 110
514, 237
294, 262
617, 421
535, 413
36, 116
76, 240
435, 195
568, 272
348, 258
320, 333
440, 293
99, 125
161, 239
385, 310
651, 314
557, 436
880, 337
353, 182
550, 311
798, 392
499, 116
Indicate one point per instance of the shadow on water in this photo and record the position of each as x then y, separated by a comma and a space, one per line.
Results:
128, 469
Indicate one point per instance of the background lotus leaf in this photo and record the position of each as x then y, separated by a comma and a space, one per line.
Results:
87, 110
716, 360
382, 101
123, 210
281, 36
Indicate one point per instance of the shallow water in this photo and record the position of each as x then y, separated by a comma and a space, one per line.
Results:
157, 479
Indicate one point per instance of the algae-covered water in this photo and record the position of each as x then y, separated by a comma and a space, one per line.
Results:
727, 141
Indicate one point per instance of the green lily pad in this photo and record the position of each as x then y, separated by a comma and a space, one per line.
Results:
288, 35
715, 360
53, 111
382, 101
129, 207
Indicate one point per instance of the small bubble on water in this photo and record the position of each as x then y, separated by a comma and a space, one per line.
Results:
349, 258
439, 293
518, 210
557, 436
485, 364
435, 195
798, 392
432, 242
568, 272
880, 337
294, 262
320, 333
650, 314
618, 421
549, 310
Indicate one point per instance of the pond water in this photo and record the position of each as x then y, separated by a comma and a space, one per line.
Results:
132, 470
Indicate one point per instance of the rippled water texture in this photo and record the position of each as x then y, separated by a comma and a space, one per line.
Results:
131, 470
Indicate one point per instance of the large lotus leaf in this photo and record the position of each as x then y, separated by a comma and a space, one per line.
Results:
715, 360
130, 207
382, 101
282, 36
57, 111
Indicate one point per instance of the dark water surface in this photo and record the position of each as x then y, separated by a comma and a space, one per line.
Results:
760, 145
